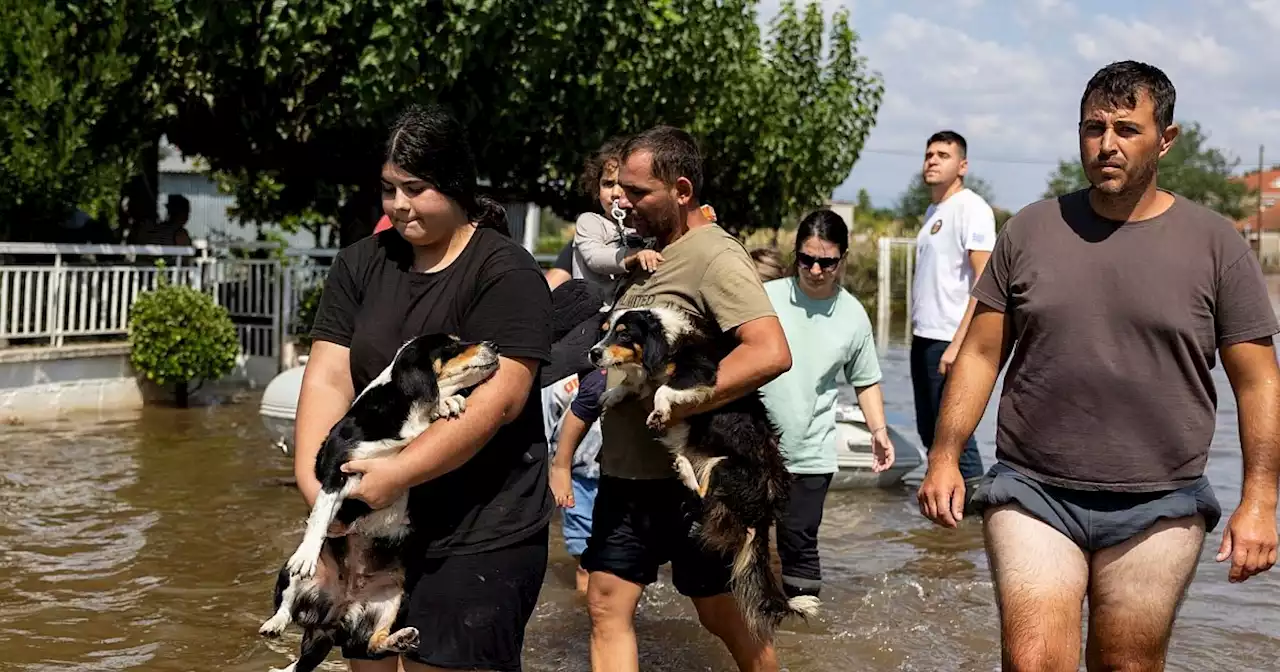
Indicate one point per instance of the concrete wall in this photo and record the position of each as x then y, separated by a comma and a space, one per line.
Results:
44, 383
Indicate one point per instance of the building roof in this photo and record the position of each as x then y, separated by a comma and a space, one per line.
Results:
1270, 220
1270, 180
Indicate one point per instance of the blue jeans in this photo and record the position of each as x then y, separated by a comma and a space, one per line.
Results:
577, 521
926, 353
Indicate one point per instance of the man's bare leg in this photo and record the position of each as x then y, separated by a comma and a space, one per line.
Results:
1040, 579
1135, 590
382, 665
721, 617
611, 602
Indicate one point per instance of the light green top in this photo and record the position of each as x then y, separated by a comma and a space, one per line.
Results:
829, 339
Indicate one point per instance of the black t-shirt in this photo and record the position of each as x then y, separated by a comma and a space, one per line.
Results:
564, 260
373, 302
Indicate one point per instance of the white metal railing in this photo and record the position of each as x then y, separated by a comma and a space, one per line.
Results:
52, 293
893, 296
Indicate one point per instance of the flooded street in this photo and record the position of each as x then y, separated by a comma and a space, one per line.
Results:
150, 542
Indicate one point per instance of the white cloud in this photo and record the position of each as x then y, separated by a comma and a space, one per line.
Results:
1110, 39
1268, 10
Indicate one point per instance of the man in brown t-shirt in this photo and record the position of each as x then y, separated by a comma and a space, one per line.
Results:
1110, 306
642, 513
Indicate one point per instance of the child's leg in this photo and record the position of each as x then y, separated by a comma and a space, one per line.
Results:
577, 523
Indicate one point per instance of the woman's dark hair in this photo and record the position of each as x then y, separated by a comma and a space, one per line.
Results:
430, 144
826, 225
593, 168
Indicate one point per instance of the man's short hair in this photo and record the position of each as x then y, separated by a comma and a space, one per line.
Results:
675, 155
952, 138
1118, 85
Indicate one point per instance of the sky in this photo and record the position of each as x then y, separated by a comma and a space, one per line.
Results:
1008, 74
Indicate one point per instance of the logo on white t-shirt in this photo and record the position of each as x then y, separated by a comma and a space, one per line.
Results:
937, 226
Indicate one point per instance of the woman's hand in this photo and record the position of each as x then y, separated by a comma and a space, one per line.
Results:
562, 486
881, 450
381, 481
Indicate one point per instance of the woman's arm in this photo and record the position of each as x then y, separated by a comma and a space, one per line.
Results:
448, 443
571, 432
871, 401
325, 396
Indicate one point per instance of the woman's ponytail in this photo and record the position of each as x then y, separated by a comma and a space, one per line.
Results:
489, 214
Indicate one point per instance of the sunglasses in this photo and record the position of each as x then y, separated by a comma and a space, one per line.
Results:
825, 263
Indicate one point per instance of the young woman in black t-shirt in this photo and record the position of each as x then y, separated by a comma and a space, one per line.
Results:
479, 501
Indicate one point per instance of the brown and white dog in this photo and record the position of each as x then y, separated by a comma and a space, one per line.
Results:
348, 591
729, 456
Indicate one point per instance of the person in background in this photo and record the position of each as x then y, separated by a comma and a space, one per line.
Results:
952, 248
830, 338
601, 248
479, 501
769, 264
177, 213
575, 472
561, 270
1111, 306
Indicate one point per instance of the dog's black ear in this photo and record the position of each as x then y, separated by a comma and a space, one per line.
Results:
656, 351
414, 373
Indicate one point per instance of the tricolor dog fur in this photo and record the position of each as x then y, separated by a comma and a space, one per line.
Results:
729, 456
348, 590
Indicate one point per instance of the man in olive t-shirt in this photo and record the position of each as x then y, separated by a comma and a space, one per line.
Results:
643, 514
1111, 305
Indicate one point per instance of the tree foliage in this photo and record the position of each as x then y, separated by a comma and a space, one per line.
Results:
78, 99
289, 102
1191, 169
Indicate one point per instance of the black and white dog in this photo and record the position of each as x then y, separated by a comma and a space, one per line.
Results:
348, 591
729, 456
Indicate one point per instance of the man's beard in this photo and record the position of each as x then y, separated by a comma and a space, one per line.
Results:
1134, 183
660, 224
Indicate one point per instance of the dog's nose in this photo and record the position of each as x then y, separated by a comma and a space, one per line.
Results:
489, 344
594, 354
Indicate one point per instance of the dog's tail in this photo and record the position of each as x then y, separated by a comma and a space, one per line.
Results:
759, 593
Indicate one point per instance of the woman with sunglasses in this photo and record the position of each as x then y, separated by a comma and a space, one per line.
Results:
831, 339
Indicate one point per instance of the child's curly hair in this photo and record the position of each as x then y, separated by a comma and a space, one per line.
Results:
593, 169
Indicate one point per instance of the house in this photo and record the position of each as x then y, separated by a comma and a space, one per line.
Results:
1263, 185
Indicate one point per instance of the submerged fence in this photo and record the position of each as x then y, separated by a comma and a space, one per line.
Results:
896, 269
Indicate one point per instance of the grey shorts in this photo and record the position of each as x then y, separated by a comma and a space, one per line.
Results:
1095, 520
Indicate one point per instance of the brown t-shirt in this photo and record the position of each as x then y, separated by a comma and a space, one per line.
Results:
707, 273
1117, 327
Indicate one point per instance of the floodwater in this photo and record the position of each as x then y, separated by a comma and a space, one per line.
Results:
150, 542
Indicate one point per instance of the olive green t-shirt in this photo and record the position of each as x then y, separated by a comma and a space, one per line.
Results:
706, 273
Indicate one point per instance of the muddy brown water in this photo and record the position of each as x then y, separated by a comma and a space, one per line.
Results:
150, 542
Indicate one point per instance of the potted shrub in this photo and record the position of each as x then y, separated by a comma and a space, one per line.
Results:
180, 336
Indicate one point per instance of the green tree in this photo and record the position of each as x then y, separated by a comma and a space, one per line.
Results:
289, 102
1191, 169
78, 106
915, 201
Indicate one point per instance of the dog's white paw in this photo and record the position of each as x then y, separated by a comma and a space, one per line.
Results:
292, 667
659, 418
303, 563
451, 407
274, 627
403, 640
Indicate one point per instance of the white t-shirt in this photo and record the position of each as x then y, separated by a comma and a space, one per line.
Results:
940, 289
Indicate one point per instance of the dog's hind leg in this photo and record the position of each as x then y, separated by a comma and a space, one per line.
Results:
385, 612
303, 561
687, 476
275, 625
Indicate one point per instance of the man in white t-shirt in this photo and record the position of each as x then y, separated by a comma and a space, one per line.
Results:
955, 241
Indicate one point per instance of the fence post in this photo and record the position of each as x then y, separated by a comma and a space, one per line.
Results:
57, 298
284, 316
883, 311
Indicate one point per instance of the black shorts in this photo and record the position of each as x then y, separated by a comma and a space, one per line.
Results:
471, 610
639, 525
1095, 520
